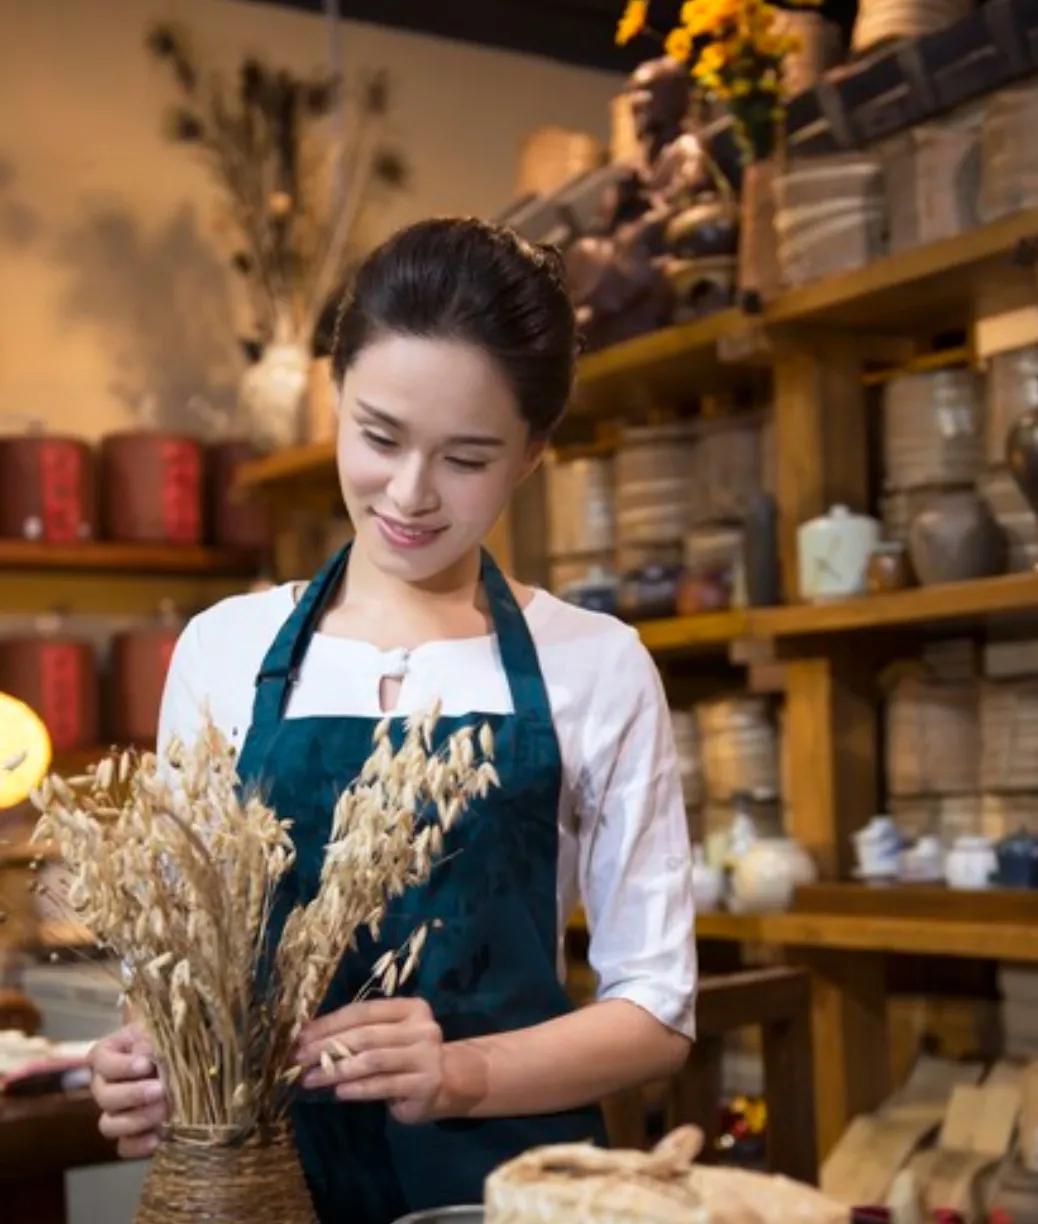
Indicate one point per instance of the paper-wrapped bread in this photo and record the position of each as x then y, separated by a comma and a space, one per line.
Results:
567, 1183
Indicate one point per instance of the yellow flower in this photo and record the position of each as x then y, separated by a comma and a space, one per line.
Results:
632, 22
679, 44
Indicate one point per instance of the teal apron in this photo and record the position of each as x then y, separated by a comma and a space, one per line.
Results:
491, 964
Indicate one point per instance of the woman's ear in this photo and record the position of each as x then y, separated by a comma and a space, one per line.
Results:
536, 449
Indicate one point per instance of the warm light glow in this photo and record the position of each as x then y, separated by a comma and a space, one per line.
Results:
25, 751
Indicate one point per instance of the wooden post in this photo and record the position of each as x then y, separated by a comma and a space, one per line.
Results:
832, 755
849, 1026
821, 435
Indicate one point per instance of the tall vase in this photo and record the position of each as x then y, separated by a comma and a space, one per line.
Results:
273, 390
759, 276
256, 1180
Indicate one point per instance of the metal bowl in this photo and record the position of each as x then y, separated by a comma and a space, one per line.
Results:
445, 1215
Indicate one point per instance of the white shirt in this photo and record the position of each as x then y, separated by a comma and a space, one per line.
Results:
623, 837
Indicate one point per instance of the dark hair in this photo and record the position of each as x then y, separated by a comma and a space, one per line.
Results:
459, 278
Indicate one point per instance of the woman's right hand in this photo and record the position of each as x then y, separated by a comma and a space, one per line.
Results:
126, 1086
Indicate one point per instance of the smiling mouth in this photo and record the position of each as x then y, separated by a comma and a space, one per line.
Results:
405, 533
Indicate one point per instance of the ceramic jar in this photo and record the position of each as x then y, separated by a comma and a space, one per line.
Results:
1017, 857
877, 847
707, 883
970, 864
833, 552
955, 539
766, 875
888, 568
923, 863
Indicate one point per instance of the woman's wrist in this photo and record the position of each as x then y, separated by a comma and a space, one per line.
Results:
464, 1083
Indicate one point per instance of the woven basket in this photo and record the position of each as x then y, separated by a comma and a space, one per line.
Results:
194, 1176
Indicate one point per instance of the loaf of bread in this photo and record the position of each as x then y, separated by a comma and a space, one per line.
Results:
568, 1183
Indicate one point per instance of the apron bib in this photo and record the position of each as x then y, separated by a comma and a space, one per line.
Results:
489, 967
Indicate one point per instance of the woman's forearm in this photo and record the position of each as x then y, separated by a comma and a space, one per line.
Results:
563, 1063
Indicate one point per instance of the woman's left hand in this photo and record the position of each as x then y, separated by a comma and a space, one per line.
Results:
381, 1050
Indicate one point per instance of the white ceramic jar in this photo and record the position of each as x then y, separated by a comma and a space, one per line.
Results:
766, 875
833, 553
971, 863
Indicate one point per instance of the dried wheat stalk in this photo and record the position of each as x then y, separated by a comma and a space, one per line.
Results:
175, 870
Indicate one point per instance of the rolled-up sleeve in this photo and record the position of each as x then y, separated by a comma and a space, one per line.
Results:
635, 862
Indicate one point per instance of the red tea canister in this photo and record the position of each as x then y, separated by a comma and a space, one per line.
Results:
152, 487
58, 678
140, 660
234, 521
48, 489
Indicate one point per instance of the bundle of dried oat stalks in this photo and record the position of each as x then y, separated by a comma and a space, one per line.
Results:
175, 870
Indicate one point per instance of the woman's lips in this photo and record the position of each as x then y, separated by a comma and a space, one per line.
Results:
400, 535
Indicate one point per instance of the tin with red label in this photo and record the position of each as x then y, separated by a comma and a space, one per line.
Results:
152, 487
48, 489
57, 676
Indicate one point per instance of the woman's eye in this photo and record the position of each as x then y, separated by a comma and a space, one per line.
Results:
378, 440
467, 465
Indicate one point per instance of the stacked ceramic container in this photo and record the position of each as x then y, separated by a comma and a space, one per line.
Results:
1011, 390
933, 456
656, 487
686, 746
830, 216
738, 746
1009, 156
581, 529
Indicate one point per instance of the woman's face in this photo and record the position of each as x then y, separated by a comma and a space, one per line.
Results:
431, 445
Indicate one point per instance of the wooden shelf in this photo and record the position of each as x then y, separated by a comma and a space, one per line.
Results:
114, 556
669, 365
928, 921
927, 287
973, 602
293, 463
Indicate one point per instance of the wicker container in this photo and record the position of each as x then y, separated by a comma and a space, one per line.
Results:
846, 180
654, 484
932, 177
1001, 815
727, 467
932, 738
48, 489
883, 21
255, 1181
1011, 389
152, 487
932, 429
739, 748
1009, 735
580, 506
57, 677
1008, 155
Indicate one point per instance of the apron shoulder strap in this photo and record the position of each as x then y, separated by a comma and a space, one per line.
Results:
515, 642
280, 667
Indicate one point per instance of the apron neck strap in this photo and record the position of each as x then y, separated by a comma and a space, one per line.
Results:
280, 668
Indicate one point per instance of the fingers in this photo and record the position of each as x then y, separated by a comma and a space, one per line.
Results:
121, 1057
374, 1062
409, 1086
137, 1148
120, 1095
371, 1037
357, 1015
133, 1123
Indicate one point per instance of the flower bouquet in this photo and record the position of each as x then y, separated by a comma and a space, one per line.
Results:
175, 869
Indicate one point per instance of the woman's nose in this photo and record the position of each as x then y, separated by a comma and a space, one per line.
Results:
411, 488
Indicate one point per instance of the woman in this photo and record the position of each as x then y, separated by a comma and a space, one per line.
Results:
454, 359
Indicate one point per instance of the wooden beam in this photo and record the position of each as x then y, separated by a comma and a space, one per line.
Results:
832, 745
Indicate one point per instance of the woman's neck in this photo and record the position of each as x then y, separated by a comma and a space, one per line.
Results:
367, 586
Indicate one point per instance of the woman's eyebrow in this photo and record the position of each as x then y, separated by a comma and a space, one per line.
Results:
391, 422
